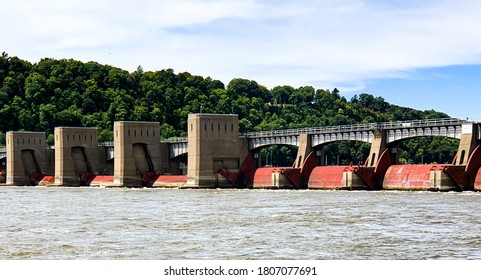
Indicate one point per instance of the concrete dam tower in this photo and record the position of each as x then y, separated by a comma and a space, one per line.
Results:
214, 144
136, 152
26, 157
76, 155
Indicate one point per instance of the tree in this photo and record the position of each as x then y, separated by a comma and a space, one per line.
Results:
281, 94
238, 88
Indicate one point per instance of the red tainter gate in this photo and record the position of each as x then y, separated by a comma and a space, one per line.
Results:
263, 177
407, 177
477, 182
327, 177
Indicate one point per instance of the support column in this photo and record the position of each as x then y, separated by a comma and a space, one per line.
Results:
305, 148
26, 155
377, 148
467, 144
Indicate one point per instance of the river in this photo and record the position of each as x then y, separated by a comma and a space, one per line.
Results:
162, 224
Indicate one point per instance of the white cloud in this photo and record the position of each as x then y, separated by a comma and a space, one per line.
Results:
321, 43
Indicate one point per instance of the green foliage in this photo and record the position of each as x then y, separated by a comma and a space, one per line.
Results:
66, 92
105, 135
428, 150
3, 139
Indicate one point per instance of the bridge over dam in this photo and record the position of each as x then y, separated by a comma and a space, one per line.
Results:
216, 155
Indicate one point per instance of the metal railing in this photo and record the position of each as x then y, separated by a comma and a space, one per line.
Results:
353, 128
422, 123
310, 130
174, 140
167, 140
105, 144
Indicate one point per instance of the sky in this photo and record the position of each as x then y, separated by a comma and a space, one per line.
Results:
423, 54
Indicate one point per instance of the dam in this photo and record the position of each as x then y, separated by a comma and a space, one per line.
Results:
215, 155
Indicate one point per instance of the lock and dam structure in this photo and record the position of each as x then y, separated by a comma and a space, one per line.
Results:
216, 155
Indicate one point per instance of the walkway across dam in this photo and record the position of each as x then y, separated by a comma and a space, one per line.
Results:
216, 155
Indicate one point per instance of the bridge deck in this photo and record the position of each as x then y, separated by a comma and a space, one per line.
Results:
449, 127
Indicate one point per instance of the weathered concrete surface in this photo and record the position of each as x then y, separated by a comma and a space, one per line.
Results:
26, 157
467, 143
377, 148
76, 154
136, 151
304, 150
214, 145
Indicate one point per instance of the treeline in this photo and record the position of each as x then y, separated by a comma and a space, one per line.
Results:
66, 92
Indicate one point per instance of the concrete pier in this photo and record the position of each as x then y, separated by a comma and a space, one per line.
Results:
76, 155
136, 152
214, 144
26, 157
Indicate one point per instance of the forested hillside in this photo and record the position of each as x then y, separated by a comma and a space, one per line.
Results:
66, 92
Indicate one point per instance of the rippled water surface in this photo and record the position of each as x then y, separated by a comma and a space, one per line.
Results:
92, 223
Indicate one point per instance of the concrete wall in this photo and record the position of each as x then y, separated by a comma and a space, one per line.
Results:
26, 154
50, 162
76, 152
129, 156
440, 181
353, 181
105, 167
176, 166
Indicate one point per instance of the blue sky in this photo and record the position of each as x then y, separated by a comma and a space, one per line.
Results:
419, 54
454, 90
